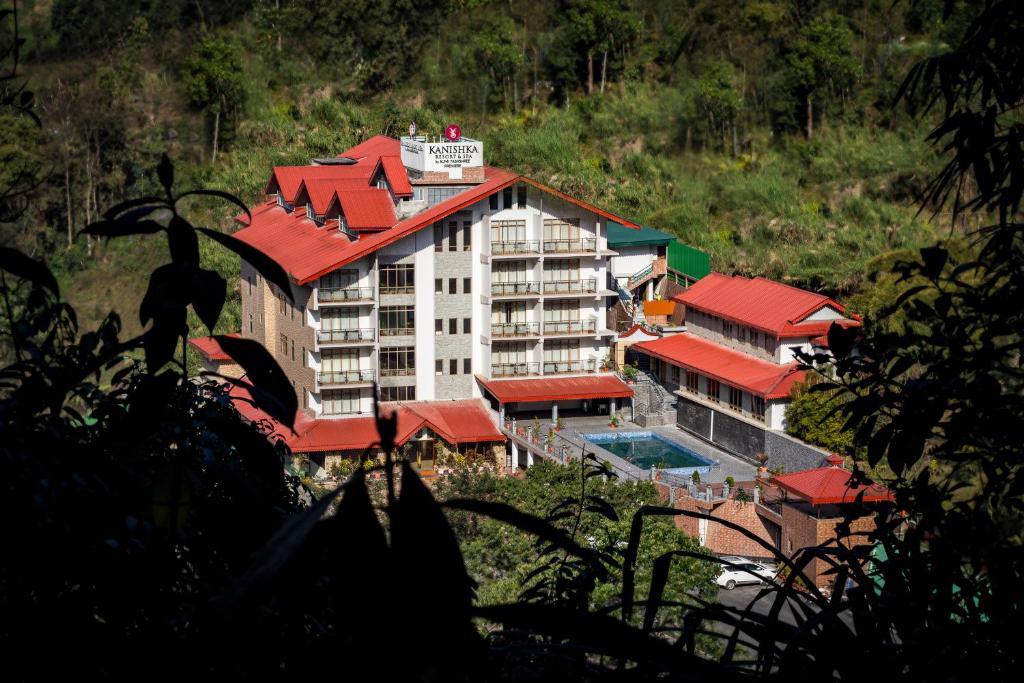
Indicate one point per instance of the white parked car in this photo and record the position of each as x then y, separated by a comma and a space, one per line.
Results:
745, 571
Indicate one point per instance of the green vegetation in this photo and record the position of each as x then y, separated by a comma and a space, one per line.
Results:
691, 118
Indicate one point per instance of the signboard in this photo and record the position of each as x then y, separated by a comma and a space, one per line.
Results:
443, 156
452, 133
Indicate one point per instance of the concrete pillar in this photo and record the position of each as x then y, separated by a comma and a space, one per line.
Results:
501, 413
529, 457
554, 412
515, 453
611, 407
757, 494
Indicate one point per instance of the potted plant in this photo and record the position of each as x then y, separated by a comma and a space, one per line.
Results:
559, 424
730, 482
695, 477
549, 441
762, 467
630, 373
613, 422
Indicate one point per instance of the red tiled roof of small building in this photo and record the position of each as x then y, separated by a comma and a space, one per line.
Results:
556, 388
396, 174
760, 377
830, 485
764, 304
209, 347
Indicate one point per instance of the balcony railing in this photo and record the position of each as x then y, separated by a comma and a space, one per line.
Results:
337, 295
341, 377
562, 367
515, 329
398, 289
570, 286
397, 331
514, 369
515, 247
523, 288
570, 326
398, 372
584, 245
344, 336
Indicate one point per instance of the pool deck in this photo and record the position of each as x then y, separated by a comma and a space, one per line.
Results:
729, 465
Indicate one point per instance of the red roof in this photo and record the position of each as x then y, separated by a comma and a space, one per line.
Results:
209, 347
367, 209
373, 148
830, 485
759, 377
398, 177
555, 389
457, 422
764, 304
323, 191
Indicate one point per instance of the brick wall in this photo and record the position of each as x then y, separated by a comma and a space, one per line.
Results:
802, 529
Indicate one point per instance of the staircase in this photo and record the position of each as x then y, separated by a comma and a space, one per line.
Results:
653, 404
636, 313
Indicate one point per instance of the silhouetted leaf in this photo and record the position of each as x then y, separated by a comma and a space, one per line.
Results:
28, 269
265, 375
183, 242
267, 267
122, 228
165, 173
934, 259
118, 209
209, 290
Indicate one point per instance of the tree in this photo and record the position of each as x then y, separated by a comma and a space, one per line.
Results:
721, 100
820, 57
213, 80
817, 418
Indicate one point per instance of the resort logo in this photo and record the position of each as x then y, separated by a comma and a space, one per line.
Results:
452, 133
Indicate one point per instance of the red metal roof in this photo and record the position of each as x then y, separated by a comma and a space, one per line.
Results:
209, 347
321, 192
759, 377
398, 177
369, 209
288, 179
556, 388
373, 148
764, 304
829, 485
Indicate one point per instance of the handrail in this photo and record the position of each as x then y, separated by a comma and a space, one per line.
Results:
587, 286
584, 244
341, 336
587, 326
515, 247
326, 295
569, 366
344, 376
515, 329
519, 288
514, 369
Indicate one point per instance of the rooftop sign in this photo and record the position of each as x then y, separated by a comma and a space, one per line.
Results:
443, 156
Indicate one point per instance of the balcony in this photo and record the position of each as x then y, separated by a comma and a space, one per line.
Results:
398, 372
523, 288
515, 248
511, 330
586, 245
344, 295
570, 327
345, 337
340, 378
568, 367
397, 331
514, 369
570, 286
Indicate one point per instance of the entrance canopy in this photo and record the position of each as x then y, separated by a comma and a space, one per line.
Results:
555, 389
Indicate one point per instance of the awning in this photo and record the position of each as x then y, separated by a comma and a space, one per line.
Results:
555, 389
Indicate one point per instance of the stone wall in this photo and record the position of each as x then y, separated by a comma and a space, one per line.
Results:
791, 455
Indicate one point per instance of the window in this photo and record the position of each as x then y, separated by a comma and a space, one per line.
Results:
436, 195
506, 198
438, 325
397, 361
397, 278
282, 345
467, 325
757, 407
396, 320
438, 286
453, 366
453, 325
692, 381
438, 237
305, 399
755, 337
561, 229
293, 350
453, 285
467, 365
467, 285
741, 333
493, 201
309, 211
714, 390
281, 303
508, 231
250, 322
467, 240
291, 311
736, 399
406, 393
769, 342
305, 363
438, 367
340, 402
250, 284
727, 329
453, 235
521, 197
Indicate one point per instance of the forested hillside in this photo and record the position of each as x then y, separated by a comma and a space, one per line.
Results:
762, 132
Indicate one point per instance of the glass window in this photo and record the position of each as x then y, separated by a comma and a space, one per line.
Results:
396, 320
561, 229
493, 201
404, 393
714, 390
757, 407
438, 366
506, 198
436, 195
453, 285
397, 361
340, 402
438, 286
453, 235
467, 324
736, 398
453, 325
467, 365
453, 366
508, 231
521, 197
727, 329
467, 240
397, 278
438, 237
467, 285
438, 325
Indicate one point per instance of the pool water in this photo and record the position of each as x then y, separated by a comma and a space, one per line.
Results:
647, 449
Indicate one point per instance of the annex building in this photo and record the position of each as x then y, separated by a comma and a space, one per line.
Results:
465, 292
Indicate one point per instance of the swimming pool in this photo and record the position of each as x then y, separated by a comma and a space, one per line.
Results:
647, 450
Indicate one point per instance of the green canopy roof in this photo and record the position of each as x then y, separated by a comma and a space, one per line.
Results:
621, 236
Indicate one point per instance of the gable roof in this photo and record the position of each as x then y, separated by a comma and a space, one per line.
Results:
830, 485
322, 192
621, 236
764, 304
398, 177
367, 209
758, 377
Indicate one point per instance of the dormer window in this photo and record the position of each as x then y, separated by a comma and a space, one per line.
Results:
309, 211
280, 198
